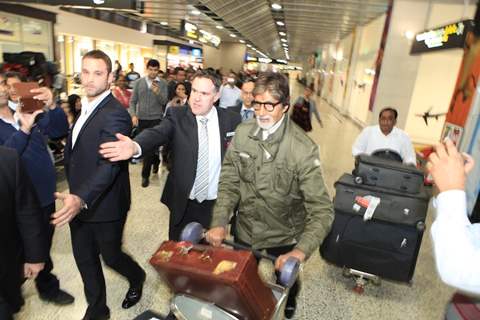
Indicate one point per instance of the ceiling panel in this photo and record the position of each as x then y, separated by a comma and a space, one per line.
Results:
308, 23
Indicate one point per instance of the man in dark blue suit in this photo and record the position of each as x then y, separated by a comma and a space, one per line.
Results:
99, 197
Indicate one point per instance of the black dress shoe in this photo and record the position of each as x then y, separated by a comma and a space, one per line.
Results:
61, 298
100, 317
145, 182
132, 297
290, 309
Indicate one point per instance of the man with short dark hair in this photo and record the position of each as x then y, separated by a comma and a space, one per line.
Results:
96, 207
244, 106
385, 136
132, 75
147, 106
272, 173
198, 136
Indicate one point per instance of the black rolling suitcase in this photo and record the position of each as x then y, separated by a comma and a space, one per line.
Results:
394, 206
380, 248
375, 171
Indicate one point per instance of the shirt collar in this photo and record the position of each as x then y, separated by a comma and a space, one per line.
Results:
88, 107
210, 115
245, 108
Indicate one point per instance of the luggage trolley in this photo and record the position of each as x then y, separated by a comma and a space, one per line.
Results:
187, 307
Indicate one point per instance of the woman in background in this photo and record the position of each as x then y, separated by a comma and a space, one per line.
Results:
121, 91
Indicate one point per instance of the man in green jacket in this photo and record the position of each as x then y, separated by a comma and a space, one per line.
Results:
272, 172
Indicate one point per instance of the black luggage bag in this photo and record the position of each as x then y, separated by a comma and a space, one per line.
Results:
383, 249
375, 171
394, 206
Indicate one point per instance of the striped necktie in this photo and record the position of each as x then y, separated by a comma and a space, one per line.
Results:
201, 177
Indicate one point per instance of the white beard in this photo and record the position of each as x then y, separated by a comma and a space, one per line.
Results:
265, 126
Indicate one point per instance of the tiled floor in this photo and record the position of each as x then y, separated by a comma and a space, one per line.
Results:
326, 293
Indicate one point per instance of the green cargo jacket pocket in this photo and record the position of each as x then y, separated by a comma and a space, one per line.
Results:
246, 166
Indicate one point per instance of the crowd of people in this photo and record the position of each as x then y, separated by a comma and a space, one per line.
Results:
236, 157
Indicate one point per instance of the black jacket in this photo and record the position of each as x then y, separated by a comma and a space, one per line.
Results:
22, 234
179, 129
103, 185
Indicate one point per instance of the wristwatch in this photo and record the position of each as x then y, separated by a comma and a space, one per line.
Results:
83, 205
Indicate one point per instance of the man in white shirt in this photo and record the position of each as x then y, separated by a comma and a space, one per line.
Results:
98, 201
456, 242
385, 136
229, 92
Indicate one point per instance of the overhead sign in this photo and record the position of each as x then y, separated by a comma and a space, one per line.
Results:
208, 38
446, 37
190, 30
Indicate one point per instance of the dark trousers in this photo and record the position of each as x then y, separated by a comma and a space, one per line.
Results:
47, 283
89, 241
5, 309
151, 157
11, 299
194, 212
278, 251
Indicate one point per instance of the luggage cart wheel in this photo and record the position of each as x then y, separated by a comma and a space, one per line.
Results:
193, 232
289, 272
360, 283
358, 180
358, 289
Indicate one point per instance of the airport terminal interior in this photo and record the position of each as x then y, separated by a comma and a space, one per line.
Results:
353, 58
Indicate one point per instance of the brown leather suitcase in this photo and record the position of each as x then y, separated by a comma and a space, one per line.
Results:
221, 276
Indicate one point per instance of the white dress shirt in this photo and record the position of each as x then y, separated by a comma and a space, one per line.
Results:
229, 96
87, 109
214, 153
456, 242
372, 139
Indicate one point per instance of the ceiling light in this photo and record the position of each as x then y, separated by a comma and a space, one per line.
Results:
276, 6
196, 12
282, 33
164, 23
233, 35
242, 41
280, 23
249, 45
219, 27
283, 40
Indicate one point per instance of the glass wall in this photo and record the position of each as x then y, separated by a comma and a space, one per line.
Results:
18, 33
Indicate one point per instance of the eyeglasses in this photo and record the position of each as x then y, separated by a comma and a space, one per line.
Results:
269, 106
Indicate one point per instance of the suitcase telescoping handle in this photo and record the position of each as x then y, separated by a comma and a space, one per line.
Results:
194, 232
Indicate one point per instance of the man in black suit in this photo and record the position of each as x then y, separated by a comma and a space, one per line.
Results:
99, 198
244, 106
23, 247
198, 136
